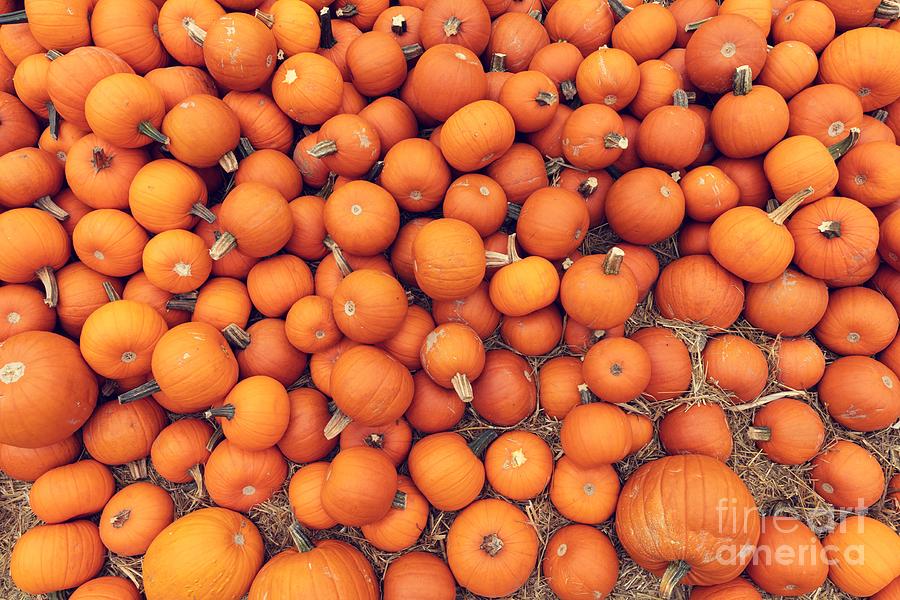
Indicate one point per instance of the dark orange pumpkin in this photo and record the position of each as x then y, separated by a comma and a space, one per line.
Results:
800, 363
239, 479
698, 429
847, 476
860, 393
584, 494
736, 366
697, 289
789, 431
720, 46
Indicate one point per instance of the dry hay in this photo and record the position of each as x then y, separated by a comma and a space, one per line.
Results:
776, 487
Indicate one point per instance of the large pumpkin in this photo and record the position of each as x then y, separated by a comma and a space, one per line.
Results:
699, 535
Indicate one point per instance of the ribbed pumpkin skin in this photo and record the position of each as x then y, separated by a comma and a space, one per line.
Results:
27, 464
419, 575
173, 569
801, 572
75, 490
76, 545
881, 547
106, 588
580, 563
446, 471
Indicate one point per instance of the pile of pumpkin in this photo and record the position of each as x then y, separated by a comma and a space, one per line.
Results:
254, 235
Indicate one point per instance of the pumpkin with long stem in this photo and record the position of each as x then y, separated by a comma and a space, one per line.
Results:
134, 516
513, 290
401, 527
254, 217
453, 356
36, 544
127, 110
30, 86
255, 413
180, 450
67, 492
604, 276
30, 177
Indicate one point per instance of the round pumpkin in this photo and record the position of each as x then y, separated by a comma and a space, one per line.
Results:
580, 562
66, 539
420, 575
698, 429
584, 494
847, 476
134, 517
858, 536
518, 465
736, 366
801, 567
446, 470
789, 431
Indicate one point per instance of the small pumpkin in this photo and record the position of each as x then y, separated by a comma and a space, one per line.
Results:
352, 499
134, 517
584, 494
102, 588
698, 429
617, 369
857, 321
75, 490
736, 366
239, 479
698, 289
801, 302
401, 527
122, 434
369, 306
847, 476
518, 465
601, 274
875, 540
789, 431
720, 46
433, 408
453, 356
476, 135
860, 393
751, 119
645, 206
255, 413
580, 562
800, 363
670, 363
596, 434
793, 576
447, 470
27, 464
202, 131
65, 539
504, 393
180, 449
419, 574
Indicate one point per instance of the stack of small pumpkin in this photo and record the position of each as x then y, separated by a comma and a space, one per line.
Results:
251, 238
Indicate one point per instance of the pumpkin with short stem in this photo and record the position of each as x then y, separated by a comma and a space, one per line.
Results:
239, 51
22, 309
307, 88
790, 67
448, 259
332, 566
492, 548
670, 363
310, 324
736, 366
801, 571
478, 200
254, 217
295, 26
584, 494
222, 302
81, 292
862, 176
561, 386
402, 23
608, 76
394, 439
352, 499
165, 194
433, 408
701, 528
415, 174
705, 202
100, 173
134, 517
644, 206
202, 131
229, 540
857, 321
401, 527
271, 354
303, 441
592, 186
122, 434
178, 83
862, 536
419, 575
860, 393
129, 29
405, 344
789, 431
476, 135
698, 429
598, 276
552, 223
78, 538
368, 386
617, 369
522, 286
126, 110
593, 137
29, 177
255, 413
518, 465
656, 145
559, 61
520, 172
736, 589
750, 120
110, 587
826, 112
179, 22
67, 135
800, 363
453, 356
595, 434
176, 261
28, 464
788, 305
262, 122
67, 492
873, 75
847, 476
49, 391
580, 562
447, 470
587, 25
532, 100
459, 22
235, 263
180, 449
534, 334
578, 338
697, 289
347, 145
240, 479
110, 242
305, 495
369, 306
361, 218
687, 12
720, 46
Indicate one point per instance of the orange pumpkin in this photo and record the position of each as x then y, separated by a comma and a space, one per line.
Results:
110, 242
254, 217
459, 22
790, 67
476, 135
803, 568
180, 449
580, 562
670, 363
178, 83
405, 344
518, 465
617, 369
60, 25
202, 131
401, 527
799, 162
645, 206
252, 64
255, 413
303, 441
24, 310
134, 516
860, 393
394, 439
122, 434
129, 29
362, 218
295, 26
847, 476
535, 334
561, 386
239, 479
262, 122
369, 306
800, 363
421, 575
584, 494
304, 493
855, 536
453, 356
788, 305
110, 587
596, 434
76, 490
447, 470
352, 499
720, 46
504, 393
697, 289
873, 79
433, 408
65, 539
448, 259
307, 88
176, 261
698, 429
27, 464
736, 589
736, 366
857, 321
789, 431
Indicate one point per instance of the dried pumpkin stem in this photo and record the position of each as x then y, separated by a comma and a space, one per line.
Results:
398, 24
53, 118
374, 440
843, 147
585, 393
245, 147
880, 115
326, 189
781, 214
588, 187
47, 204
375, 172
302, 381
267, 18
463, 387
141, 391
492, 545
236, 335
108, 388
760, 434
742, 83
830, 229
888, 9
13, 18
148, 129
613, 262
498, 62
217, 435
323, 149
675, 572
111, 292
615, 140
47, 277
186, 302
537, 15
196, 33
223, 245
99, 159
568, 89
696, 25
338, 255
619, 8
412, 51
336, 424
200, 210
399, 502
613, 171
226, 411
229, 162
197, 475
680, 98
498, 259
513, 211
119, 519
138, 468
300, 538
326, 38
53, 54
348, 10
451, 26
546, 98
482, 441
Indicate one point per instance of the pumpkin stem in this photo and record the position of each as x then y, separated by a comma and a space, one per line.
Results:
119, 519
336, 425
492, 545
186, 302
412, 51
680, 98
326, 189
217, 435
496, 259
326, 39
613, 171
888, 9
451, 26
513, 211
47, 277
613, 262
147, 128
302, 381
830, 229
53, 117
374, 440
223, 245
229, 162
200, 210
99, 159
236, 335
138, 468
880, 115
696, 25
761, 434
619, 9
53, 54
498, 62
197, 476
536, 15
245, 147
545, 98
843, 147
480, 443
196, 33
675, 572
568, 89
781, 214
111, 292
375, 172
299, 537
743, 81
398, 24
585, 393
13, 18
267, 18
141, 391
615, 140
348, 10
47, 204
225, 411
108, 388
323, 149
338, 255
588, 187
399, 502
463, 387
